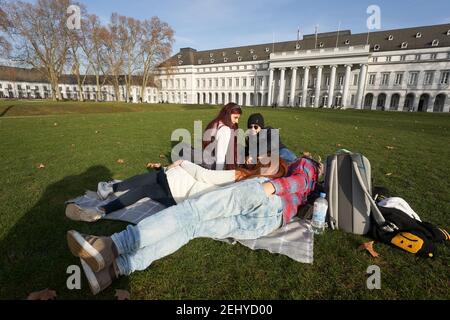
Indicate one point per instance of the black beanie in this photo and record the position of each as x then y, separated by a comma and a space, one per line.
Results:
255, 118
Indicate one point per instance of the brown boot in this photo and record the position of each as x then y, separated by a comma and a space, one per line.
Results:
97, 252
99, 281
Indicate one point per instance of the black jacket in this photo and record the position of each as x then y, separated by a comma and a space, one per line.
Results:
262, 140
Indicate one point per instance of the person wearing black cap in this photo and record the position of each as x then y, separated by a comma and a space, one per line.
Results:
255, 124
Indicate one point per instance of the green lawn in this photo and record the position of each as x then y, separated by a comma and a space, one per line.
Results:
79, 144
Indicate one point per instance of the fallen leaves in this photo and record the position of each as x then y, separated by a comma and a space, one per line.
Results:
55, 124
122, 294
152, 165
390, 147
369, 247
162, 156
389, 174
41, 166
120, 161
45, 294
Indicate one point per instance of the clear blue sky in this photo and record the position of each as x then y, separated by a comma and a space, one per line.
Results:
208, 24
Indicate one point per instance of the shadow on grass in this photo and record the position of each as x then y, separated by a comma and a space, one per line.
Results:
34, 253
5, 111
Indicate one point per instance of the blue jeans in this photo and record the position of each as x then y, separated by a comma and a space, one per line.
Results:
240, 211
287, 155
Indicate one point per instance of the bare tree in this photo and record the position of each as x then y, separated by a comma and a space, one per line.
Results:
155, 48
5, 46
114, 54
40, 36
130, 31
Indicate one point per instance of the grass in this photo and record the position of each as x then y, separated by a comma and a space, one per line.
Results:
79, 144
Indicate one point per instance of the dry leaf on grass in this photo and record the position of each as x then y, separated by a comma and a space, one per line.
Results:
55, 124
389, 174
152, 165
45, 294
96, 131
120, 161
390, 147
338, 145
307, 154
162, 156
41, 166
369, 247
122, 294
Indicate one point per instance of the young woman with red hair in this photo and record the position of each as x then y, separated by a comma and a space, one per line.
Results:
220, 133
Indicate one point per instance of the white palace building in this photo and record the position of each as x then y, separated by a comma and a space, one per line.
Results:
398, 70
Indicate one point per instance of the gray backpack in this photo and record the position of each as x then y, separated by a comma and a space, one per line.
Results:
349, 193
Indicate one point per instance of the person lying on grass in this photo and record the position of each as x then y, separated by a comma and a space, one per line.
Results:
181, 180
248, 209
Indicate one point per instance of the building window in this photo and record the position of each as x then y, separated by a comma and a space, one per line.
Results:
252, 82
375, 59
230, 82
327, 80
212, 60
237, 51
402, 58
404, 45
355, 79
435, 43
413, 76
204, 83
376, 47
260, 81
225, 59
445, 75
244, 82
217, 83
372, 79
418, 56
433, 56
209, 83
239, 58
199, 61
398, 79
429, 75
341, 80
223, 82
237, 82
347, 41
388, 59
267, 49
418, 35
391, 37
255, 57
184, 83
385, 79
321, 44
198, 83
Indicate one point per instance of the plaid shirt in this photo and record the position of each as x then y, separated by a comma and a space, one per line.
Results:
295, 187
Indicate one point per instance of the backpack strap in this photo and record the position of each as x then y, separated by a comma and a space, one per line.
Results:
376, 214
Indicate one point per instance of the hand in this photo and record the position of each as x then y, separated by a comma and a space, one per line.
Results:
269, 189
249, 160
175, 164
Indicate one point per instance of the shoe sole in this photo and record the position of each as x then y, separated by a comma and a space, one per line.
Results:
79, 247
75, 213
91, 278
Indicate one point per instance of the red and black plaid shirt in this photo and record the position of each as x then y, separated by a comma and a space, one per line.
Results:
295, 187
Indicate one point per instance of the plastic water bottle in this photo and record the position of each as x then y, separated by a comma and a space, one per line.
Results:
319, 214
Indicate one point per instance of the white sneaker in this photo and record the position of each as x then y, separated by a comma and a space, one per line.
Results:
77, 213
104, 189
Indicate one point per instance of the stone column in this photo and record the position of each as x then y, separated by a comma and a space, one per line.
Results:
361, 86
401, 102
318, 84
269, 87
348, 70
332, 85
305, 86
293, 84
282, 87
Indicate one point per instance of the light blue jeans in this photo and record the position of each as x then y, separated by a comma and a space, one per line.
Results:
287, 155
241, 211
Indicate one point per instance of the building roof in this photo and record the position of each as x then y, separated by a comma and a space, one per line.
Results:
15, 74
388, 40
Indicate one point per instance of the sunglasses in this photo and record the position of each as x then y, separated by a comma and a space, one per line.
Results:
254, 126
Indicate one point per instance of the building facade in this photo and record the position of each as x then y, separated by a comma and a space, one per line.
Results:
398, 70
401, 70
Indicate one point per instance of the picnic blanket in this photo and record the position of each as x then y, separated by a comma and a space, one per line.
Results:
294, 240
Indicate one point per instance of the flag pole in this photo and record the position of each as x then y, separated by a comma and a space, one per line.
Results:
315, 44
337, 37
